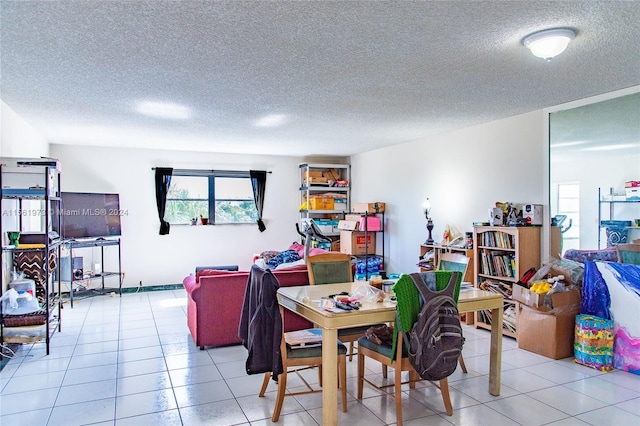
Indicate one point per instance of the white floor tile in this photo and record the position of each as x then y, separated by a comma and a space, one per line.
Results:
131, 360
30, 418
556, 372
168, 417
143, 383
603, 390
610, 416
632, 406
86, 392
567, 400
29, 383
83, 413
480, 415
524, 381
145, 403
527, 411
202, 393
214, 413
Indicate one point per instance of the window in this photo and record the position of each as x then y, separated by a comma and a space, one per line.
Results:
569, 205
219, 196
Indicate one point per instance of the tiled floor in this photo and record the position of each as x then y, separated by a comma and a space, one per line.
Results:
131, 361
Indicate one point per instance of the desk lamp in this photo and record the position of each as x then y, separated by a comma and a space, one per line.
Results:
426, 206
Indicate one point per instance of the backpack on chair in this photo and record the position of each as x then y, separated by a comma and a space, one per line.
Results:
435, 340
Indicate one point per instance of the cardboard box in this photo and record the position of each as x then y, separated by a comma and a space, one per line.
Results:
370, 223
313, 180
533, 213
554, 271
550, 332
355, 242
340, 204
633, 193
352, 217
348, 225
376, 207
313, 173
528, 297
320, 203
335, 245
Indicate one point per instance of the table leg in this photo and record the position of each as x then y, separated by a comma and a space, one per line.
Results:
329, 377
495, 360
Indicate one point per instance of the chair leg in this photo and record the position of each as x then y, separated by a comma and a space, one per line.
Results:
351, 352
385, 372
446, 398
461, 362
265, 383
320, 375
397, 384
360, 373
282, 387
342, 379
413, 378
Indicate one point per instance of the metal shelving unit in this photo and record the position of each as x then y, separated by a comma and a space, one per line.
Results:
104, 275
19, 199
611, 210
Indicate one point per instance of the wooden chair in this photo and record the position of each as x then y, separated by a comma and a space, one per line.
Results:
302, 358
261, 330
454, 262
628, 253
329, 268
399, 362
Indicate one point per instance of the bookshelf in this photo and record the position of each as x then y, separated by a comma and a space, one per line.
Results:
438, 250
501, 255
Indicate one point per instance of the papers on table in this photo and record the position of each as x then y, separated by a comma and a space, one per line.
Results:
306, 337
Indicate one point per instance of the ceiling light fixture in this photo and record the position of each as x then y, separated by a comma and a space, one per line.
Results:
271, 120
547, 44
163, 110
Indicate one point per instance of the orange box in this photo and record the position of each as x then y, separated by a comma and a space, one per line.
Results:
320, 203
376, 207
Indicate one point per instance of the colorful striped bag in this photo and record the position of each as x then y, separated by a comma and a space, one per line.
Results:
593, 344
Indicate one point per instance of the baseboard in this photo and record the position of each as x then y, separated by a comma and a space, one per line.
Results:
152, 288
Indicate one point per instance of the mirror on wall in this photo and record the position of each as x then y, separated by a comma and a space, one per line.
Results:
594, 150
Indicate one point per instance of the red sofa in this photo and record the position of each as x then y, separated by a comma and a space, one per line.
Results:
214, 304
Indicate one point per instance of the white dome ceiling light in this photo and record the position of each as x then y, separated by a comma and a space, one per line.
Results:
547, 44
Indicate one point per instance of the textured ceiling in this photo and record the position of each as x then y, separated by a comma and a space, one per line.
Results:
348, 77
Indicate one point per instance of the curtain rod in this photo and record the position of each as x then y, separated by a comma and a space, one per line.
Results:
208, 171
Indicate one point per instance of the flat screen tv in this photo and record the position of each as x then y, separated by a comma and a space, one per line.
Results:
90, 215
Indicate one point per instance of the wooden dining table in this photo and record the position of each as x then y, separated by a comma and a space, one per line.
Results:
307, 301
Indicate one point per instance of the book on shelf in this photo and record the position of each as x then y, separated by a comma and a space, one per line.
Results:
497, 287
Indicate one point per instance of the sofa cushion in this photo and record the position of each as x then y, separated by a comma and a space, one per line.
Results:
608, 254
210, 272
222, 267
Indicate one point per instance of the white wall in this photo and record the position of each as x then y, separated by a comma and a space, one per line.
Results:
166, 259
17, 138
463, 173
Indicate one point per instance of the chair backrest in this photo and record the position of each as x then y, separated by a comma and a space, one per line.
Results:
628, 253
329, 268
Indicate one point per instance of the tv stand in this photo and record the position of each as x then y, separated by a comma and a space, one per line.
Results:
83, 283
